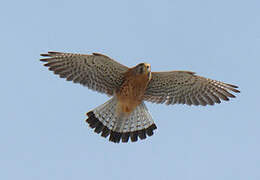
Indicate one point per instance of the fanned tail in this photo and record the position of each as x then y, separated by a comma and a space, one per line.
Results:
106, 121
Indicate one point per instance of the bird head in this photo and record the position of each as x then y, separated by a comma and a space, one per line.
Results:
143, 69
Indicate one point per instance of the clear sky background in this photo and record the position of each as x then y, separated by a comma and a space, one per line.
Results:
43, 134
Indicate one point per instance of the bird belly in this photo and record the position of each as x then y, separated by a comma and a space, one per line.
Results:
131, 94
127, 100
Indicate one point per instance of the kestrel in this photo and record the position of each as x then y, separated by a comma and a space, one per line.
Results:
125, 115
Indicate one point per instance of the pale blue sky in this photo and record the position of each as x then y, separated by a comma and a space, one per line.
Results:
43, 134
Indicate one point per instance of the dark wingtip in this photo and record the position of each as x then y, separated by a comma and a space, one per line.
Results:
237, 91
233, 88
44, 55
44, 59
115, 137
231, 85
54, 52
50, 53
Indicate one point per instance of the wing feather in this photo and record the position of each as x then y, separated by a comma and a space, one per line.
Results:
97, 71
184, 87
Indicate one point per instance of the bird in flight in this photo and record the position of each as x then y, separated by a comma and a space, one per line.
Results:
125, 116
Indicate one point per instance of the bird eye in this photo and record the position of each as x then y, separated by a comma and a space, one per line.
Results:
147, 67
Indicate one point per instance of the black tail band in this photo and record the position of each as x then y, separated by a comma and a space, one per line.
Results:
115, 137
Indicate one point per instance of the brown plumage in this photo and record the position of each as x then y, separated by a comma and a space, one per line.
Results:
131, 92
125, 115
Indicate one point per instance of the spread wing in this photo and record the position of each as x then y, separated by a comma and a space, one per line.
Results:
98, 72
184, 87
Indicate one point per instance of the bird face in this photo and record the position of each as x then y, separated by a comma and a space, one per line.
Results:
143, 68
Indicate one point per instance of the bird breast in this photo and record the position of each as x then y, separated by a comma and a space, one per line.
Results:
131, 93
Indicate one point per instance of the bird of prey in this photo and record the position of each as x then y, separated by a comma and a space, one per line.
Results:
125, 116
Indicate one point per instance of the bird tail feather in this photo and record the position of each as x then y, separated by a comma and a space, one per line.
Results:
105, 120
